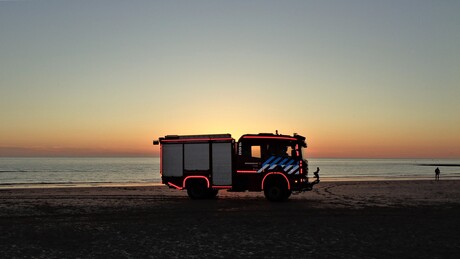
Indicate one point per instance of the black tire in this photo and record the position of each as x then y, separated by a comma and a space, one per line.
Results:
288, 194
276, 192
197, 190
212, 193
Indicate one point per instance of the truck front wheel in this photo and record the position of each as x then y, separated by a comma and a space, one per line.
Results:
276, 192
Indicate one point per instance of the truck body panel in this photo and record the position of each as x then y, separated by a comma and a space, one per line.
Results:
222, 164
196, 157
171, 160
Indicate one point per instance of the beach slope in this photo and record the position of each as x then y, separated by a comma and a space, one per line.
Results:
382, 219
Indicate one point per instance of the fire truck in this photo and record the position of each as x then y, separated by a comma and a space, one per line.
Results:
205, 164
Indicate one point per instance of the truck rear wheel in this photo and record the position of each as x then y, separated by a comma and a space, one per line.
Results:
197, 190
276, 192
212, 193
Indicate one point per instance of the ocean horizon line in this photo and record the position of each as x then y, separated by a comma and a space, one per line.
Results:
158, 156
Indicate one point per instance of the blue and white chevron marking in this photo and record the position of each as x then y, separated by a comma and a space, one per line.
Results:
266, 164
289, 165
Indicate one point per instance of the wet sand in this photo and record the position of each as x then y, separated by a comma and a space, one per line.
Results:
380, 219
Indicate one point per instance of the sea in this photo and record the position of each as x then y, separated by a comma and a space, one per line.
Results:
146, 170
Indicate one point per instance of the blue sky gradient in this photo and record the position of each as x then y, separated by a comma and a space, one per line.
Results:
359, 78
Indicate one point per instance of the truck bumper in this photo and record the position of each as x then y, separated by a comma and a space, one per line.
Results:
304, 186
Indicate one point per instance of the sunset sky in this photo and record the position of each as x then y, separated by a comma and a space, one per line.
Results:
105, 78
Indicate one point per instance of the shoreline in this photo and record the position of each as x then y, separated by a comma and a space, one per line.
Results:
73, 185
141, 184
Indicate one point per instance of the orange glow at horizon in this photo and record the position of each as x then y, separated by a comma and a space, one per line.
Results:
319, 146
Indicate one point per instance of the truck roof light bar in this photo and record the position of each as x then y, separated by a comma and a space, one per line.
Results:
270, 137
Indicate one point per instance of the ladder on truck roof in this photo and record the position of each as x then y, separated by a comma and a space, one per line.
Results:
211, 136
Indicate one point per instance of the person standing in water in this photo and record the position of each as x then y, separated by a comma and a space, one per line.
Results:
437, 172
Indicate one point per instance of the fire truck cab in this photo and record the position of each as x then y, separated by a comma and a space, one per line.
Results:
205, 164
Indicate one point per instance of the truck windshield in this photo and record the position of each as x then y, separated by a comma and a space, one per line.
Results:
284, 150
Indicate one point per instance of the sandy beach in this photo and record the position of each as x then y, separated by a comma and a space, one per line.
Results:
379, 219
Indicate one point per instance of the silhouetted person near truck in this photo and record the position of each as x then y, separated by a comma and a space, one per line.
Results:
316, 174
437, 172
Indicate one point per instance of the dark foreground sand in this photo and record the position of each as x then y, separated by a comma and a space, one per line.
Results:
387, 219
